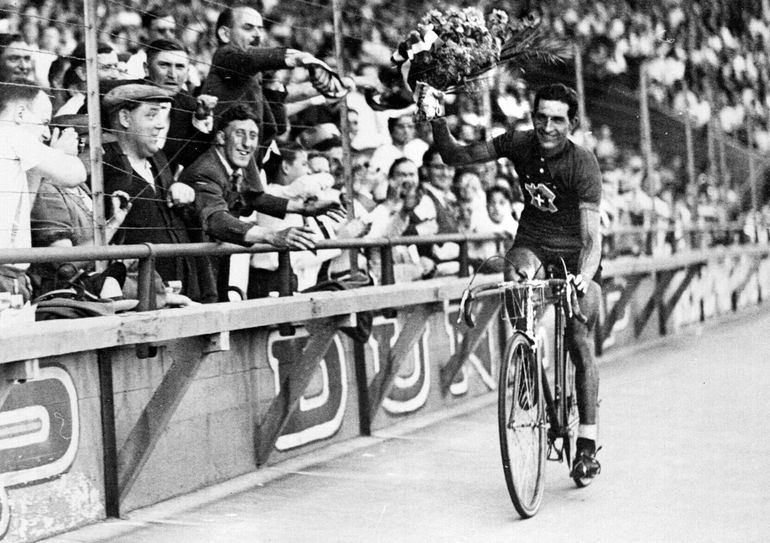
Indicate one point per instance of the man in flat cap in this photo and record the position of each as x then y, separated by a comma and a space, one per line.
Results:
134, 163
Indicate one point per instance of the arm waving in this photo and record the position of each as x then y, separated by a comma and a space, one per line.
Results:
455, 154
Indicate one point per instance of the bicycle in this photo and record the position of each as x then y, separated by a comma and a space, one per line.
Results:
537, 419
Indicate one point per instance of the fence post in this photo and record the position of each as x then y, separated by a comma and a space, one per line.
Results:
579, 85
285, 288
386, 274
93, 102
386, 264
147, 297
344, 128
645, 130
464, 264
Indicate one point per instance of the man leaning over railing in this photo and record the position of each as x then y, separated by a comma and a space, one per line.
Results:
222, 193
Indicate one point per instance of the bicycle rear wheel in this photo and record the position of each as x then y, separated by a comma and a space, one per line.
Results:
522, 425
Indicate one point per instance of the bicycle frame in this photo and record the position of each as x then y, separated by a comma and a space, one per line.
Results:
557, 401
536, 419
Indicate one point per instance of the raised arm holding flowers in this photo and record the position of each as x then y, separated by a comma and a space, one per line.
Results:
455, 50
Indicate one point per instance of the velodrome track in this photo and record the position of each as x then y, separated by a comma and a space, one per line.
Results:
685, 458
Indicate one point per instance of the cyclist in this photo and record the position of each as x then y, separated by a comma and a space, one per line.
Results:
562, 184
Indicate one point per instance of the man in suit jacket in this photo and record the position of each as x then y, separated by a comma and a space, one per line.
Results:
190, 120
135, 164
222, 195
238, 65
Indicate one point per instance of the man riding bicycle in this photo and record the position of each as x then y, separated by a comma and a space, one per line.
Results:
561, 183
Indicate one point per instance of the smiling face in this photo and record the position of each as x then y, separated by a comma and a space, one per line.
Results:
169, 69
143, 126
238, 142
552, 125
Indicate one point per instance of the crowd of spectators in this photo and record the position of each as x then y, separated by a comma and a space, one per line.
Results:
225, 124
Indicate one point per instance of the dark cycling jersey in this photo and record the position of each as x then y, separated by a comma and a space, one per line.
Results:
554, 188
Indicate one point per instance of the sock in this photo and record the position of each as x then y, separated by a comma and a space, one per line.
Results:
586, 440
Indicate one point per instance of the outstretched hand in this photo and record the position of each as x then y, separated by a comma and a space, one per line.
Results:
296, 237
332, 208
295, 58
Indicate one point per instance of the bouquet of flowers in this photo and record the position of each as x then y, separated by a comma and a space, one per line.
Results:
453, 49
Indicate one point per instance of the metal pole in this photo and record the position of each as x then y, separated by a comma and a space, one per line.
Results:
644, 125
94, 124
580, 87
686, 88
345, 129
689, 148
646, 142
714, 170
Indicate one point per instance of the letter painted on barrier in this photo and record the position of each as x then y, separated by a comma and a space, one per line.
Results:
322, 406
412, 384
612, 294
481, 361
39, 433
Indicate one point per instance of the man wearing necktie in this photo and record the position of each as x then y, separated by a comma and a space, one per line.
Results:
222, 195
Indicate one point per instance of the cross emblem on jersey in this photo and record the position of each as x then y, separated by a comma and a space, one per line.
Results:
541, 197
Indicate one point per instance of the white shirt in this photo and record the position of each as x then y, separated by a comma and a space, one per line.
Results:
19, 153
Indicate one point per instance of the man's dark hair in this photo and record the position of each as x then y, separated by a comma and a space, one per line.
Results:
287, 152
8, 39
396, 164
159, 12
430, 152
78, 58
239, 112
393, 121
495, 189
560, 93
11, 92
78, 55
156, 46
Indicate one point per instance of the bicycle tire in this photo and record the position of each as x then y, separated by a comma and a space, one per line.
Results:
522, 425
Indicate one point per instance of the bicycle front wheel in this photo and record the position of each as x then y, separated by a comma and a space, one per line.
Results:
522, 425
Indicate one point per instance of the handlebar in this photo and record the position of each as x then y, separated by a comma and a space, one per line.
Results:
471, 294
